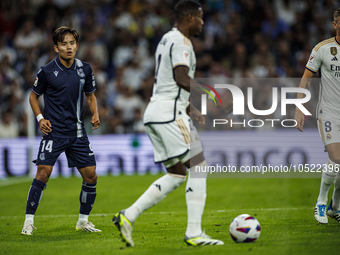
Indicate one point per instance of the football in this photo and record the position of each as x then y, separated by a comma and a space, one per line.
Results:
245, 229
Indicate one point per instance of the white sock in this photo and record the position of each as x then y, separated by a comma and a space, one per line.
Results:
336, 195
29, 218
158, 190
327, 180
83, 217
195, 197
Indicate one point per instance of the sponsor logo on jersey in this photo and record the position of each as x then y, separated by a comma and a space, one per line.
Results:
334, 59
164, 41
56, 73
311, 59
80, 72
35, 82
335, 68
333, 50
186, 55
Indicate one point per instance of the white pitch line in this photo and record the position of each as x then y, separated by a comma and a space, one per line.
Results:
9, 182
171, 212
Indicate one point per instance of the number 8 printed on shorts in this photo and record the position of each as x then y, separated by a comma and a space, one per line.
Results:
328, 127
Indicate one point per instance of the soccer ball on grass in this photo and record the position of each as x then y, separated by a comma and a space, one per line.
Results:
245, 229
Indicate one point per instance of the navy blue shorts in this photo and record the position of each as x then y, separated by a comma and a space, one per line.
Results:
78, 151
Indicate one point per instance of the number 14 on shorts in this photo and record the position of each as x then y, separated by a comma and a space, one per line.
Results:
48, 147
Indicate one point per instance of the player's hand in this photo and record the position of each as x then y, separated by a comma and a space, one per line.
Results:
196, 115
95, 121
45, 126
227, 106
300, 119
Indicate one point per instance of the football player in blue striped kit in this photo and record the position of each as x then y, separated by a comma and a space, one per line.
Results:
63, 83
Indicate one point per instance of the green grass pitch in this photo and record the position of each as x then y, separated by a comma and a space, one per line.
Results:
284, 208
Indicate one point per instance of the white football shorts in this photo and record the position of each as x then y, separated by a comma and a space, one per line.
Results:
329, 130
174, 141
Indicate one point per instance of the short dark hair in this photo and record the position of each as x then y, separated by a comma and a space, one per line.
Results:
186, 7
336, 15
59, 34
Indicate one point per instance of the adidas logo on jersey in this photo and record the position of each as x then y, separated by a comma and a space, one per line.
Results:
334, 59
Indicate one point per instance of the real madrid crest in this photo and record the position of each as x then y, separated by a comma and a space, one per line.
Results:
334, 51
80, 72
329, 136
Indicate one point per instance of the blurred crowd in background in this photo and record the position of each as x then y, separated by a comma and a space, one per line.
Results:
240, 39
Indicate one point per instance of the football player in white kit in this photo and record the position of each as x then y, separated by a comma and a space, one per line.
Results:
167, 123
326, 58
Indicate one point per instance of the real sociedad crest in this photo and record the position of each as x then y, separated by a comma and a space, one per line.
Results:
334, 51
80, 72
42, 156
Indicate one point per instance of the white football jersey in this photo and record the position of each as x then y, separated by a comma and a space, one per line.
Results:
168, 99
325, 57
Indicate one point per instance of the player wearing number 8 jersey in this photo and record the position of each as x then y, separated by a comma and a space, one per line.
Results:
170, 129
325, 57
63, 83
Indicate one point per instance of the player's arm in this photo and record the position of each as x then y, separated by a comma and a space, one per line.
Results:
183, 80
305, 84
195, 114
45, 125
93, 105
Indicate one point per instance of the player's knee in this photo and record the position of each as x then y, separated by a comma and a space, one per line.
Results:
335, 158
91, 177
94, 178
178, 169
43, 174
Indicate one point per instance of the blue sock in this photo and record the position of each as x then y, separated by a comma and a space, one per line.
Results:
34, 196
87, 196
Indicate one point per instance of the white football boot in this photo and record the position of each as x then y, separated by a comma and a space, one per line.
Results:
320, 213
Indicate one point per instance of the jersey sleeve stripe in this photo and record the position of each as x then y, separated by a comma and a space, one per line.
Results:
36, 93
317, 47
90, 92
310, 69
186, 41
180, 64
